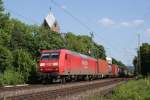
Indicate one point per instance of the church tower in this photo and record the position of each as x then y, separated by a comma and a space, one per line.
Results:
51, 22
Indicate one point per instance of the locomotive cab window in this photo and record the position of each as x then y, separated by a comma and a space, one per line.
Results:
50, 55
45, 57
54, 55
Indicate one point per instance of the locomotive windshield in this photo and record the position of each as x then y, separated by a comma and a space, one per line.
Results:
50, 55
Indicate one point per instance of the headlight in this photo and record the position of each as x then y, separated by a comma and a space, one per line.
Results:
55, 64
42, 64
41, 69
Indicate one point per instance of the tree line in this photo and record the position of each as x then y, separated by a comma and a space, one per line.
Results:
20, 46
142, 60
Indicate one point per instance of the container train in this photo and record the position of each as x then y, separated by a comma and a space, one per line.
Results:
67, 65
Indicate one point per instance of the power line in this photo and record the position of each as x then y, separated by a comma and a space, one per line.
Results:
74, 17
67, 12
80, 22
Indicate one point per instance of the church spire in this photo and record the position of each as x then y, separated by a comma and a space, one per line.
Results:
51, 22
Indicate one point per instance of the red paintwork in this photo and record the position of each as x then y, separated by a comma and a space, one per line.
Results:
115, 70
70, 63
103, 67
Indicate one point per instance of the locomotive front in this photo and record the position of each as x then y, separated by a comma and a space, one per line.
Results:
49, 61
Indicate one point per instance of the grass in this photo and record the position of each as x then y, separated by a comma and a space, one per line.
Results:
132, 90
11, 77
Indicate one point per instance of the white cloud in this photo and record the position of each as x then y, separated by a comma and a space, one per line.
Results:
110, 22
133, 23
106, 22
137, 22
126, 24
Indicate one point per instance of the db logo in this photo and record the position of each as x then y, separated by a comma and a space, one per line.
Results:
84, 62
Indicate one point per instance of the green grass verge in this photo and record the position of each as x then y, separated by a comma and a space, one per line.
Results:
132, 90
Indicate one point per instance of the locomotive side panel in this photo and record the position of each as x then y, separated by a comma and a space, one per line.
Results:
78, 65
92, 66
73, 65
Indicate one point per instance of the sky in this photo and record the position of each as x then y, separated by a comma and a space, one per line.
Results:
115, 23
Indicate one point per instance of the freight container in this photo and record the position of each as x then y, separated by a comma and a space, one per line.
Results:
103, 67
115, 70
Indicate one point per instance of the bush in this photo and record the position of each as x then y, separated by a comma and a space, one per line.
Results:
133, 90
11, 77
6, 58
34, 76
23, 63
1, 79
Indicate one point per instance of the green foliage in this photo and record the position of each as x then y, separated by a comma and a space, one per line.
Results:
16, 42
20, 46
135, 63
145, 58
119, 63
99, 51
4, 38
1, 6
84, 44
144, 68
3, 17
71, 41
11, 77
6, 58
47, 39
21, 36
23, 63
133, 90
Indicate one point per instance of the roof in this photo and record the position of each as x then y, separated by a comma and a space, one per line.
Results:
50, 19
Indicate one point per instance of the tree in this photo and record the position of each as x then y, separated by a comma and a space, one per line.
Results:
46, 39
145, 58
100, 51
83, 44
4, 38
21, 36
135, 63
1, 6
10, 77
119, 63
23, 63
6, 59
3, 17
144, 68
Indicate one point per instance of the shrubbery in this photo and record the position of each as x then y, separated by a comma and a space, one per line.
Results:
133, 90
11, 77
6, 58
23, 63
20, 46
18, 66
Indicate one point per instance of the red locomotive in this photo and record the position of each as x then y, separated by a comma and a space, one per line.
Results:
68, 65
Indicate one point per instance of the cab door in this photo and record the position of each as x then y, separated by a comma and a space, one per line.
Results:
68, 64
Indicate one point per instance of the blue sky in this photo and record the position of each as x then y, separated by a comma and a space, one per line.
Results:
115, 23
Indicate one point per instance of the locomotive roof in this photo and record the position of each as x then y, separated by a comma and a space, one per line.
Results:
82, 55
69, 51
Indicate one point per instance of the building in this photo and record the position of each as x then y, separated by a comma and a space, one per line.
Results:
109, 60
51, 22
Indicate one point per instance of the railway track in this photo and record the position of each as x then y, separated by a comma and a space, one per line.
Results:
52, 92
